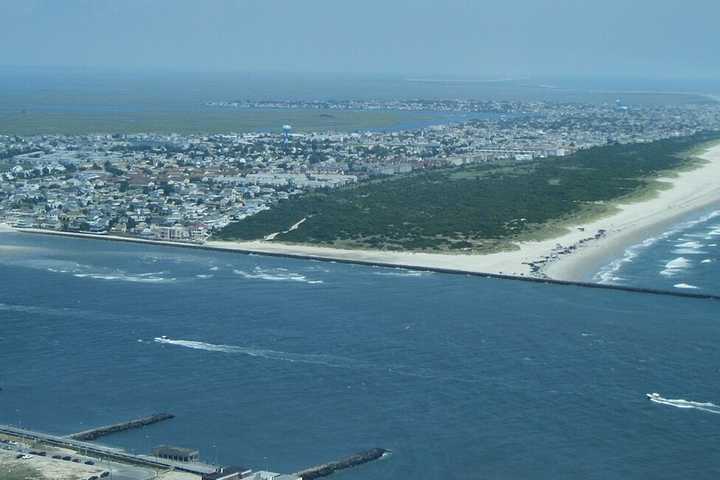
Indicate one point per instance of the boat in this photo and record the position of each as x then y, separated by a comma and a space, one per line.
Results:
652, 396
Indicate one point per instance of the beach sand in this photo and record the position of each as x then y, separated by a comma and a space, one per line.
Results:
691, 190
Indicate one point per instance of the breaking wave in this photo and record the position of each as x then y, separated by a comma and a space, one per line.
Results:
275, 275
609, 273
675, 266
688, 404
692, 244
685, 285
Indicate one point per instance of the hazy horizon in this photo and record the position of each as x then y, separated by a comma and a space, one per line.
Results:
456, 39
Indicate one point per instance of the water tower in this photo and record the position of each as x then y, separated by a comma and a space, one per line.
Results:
286, 132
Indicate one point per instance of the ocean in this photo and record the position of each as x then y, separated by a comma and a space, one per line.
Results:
282, 364
684, 256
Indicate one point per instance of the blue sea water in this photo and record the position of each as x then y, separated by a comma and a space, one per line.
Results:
282, 364
684, 257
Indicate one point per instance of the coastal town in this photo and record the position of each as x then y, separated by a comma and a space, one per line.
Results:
185, 187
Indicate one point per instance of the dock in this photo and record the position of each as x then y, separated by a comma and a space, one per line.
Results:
95, 433
353, 461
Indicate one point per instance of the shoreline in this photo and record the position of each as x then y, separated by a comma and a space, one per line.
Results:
693, 192
574, 256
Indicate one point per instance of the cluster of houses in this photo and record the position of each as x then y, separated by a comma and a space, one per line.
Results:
183, 187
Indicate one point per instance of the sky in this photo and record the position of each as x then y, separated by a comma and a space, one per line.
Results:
473, 38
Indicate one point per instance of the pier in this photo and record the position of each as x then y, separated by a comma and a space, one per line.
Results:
353, 461
95, 433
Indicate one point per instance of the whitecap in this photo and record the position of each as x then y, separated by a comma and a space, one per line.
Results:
687, 251
707, 260
203, 276
276, 275
685, 285
675, 266
691, 245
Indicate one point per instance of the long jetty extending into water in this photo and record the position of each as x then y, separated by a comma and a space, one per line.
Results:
353, 461
95, 433
450, 271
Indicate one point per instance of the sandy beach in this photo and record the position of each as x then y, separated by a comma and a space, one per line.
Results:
586, 246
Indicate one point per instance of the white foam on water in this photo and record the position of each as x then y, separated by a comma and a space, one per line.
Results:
276, 275
690, 245
125, 277
214, 269
687, 404
687, 251
56, 270
675, 266
326, 360
402, 273
608, 274
685, 285
204, 276
707, 260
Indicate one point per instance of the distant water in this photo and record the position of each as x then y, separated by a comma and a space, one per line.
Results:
282, 364
686, 256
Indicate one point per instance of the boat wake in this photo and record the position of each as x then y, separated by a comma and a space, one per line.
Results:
687, 404
314, 359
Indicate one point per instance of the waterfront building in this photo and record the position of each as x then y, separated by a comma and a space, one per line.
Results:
176, 454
